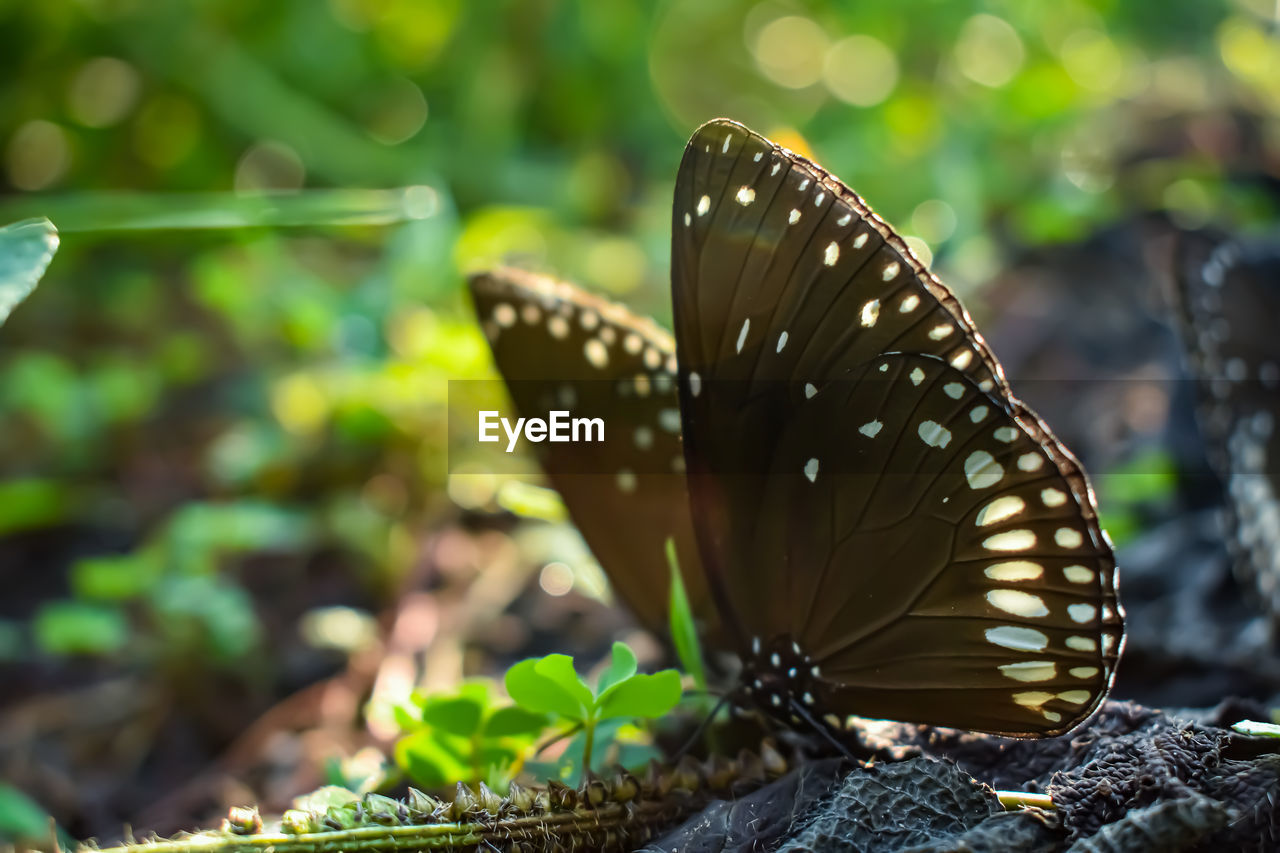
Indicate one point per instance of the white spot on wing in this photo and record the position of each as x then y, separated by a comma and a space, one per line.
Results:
745, 196
811, 470
1005, 434
1017, 638
977, 413
890, 271
954, 390
1082, 644
809, 390
1078, 574
860, 240
597, 354
962, 359
909, 303
742, 334
504, 315
1018, 603
626, 481
1053, 497
934, 434
793, 217
695, 383
1014, 570
871, 428
917, 376
831, 254
1068, 537
782, 340
704, 204
1010, 540
1030, 462
558, 327
870, 313
940, 331
982, 470
1030, 670
1000, 509
1081, 613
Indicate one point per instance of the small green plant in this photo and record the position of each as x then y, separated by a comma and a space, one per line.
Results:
550, 685
684, 633
465, 736
25, 251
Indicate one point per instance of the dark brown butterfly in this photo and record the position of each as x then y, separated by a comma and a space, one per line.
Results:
1229, 298
559, 347
884, 529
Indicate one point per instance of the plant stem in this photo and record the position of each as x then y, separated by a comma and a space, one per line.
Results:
590, 727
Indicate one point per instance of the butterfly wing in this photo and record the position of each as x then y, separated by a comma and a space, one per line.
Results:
822, 367
560, 348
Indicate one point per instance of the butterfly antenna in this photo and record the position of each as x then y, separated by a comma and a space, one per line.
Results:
701, 729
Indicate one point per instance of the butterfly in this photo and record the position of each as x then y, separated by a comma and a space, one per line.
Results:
882, 528
1228, 296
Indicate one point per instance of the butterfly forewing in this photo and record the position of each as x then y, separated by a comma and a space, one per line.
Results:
845, 428
559, 348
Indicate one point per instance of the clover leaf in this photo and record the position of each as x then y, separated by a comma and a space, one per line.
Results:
551, 685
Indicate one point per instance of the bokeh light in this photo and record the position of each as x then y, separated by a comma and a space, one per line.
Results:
270, 165
989, 50
790, 51
860, 70
556, 579
38, 155
103, 92
934, 220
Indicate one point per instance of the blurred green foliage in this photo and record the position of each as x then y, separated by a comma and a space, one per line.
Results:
465, 736
266, 209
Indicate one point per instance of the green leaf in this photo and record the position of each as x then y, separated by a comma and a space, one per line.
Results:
429, 759
32, 503
322, 799
514, 721
621, 667
80, 628
649, 696
116, 578
1254, 728
459, 716
25, 251
684, 633
21, 819
550, 686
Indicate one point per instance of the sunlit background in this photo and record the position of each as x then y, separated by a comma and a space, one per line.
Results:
224, 483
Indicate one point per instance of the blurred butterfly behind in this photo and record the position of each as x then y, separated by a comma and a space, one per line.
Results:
1228, 296
559, 347
883, 529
